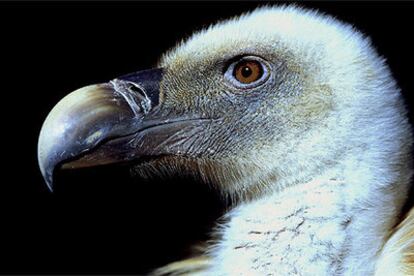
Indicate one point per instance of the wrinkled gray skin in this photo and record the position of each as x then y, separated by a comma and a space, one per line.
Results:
200, 88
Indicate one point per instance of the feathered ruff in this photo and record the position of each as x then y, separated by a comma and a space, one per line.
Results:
397, 256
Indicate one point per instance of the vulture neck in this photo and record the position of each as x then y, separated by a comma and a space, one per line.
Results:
334, 224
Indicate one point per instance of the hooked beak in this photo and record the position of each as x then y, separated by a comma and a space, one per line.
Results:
108, 123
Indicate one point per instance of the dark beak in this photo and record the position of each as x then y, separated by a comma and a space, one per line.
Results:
105, 123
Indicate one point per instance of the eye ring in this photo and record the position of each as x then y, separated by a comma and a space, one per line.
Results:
247, 72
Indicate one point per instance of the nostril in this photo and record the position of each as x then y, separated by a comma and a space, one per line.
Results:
134, 95
144, 84
135, 88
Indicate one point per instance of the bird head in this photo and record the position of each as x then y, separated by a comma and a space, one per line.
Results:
253, 104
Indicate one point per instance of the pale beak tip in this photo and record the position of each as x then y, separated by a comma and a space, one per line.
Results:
49, 183
47, 171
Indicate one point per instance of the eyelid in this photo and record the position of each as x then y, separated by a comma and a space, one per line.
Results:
228, 73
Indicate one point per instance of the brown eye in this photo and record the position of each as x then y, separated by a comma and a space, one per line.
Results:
248, 71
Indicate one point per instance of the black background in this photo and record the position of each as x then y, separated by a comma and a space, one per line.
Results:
101, 220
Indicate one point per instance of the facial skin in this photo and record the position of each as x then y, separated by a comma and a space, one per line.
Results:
248, 122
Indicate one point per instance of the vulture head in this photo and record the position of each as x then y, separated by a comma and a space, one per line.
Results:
290, 112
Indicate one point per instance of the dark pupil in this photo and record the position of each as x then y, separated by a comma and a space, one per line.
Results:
246, 71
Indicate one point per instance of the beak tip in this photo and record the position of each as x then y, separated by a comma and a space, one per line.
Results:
49, 184
49, 180
47, 174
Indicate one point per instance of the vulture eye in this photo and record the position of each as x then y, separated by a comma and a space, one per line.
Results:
247, 72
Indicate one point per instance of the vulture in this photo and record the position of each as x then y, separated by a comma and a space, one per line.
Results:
289, 112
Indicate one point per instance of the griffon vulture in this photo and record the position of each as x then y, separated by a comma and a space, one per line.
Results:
288, 111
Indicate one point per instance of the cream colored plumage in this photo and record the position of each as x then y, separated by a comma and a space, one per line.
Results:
325, 201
